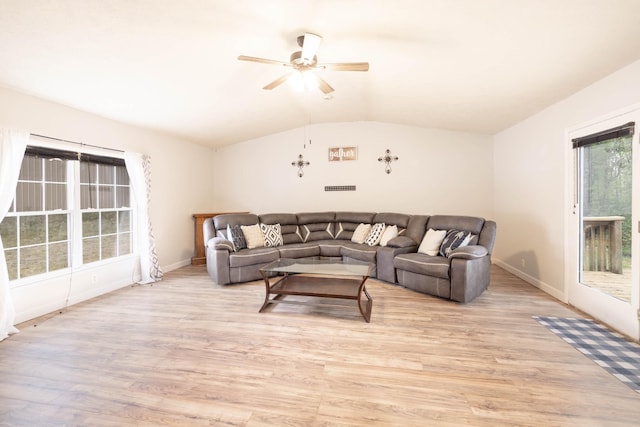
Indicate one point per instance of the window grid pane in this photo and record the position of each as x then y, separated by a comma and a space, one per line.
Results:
106, 197
9, 232
32, 230
101, 229
31, 169
55, 170
12, 263
29, 197
90, 224
58, 256
58, 227
124, 243
33, 260
36, 231
55, 197
90, 250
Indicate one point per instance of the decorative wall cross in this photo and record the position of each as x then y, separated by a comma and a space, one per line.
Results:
300, 163
387, 159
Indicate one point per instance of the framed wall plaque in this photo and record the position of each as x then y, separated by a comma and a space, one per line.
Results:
338, 154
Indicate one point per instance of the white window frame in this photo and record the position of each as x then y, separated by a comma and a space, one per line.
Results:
74, 229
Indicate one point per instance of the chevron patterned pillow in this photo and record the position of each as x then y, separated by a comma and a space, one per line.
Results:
272, 235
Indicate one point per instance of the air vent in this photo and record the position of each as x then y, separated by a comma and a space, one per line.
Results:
340, 188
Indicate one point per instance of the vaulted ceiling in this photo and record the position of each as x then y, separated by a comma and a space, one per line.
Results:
468, 65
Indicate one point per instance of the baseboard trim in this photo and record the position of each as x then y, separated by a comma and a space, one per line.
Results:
176, 265
545, 287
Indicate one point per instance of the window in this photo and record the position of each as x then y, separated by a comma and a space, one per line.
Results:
37, 233
106, 211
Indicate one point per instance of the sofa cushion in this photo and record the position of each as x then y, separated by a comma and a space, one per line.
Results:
330, 248
398, 219
401, 242
247, 257
272, 235
253, 236
456, 222
374, 236
361, 252
316, 225
347, 222
432, 241
436, 266
236, 236
220, 222
299, 250
417, 227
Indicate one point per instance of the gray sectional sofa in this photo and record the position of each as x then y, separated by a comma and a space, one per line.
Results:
461, 276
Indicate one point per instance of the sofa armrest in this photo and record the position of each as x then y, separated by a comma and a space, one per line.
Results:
469, 252
220, 243
469, 277
401, 242
218, 261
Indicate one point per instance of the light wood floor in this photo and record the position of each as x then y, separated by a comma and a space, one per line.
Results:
187, 352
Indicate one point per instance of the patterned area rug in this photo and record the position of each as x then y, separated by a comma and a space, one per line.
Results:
619, 357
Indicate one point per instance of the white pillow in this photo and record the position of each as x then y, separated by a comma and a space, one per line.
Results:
389, 233
431, 242
253, 235
361, 233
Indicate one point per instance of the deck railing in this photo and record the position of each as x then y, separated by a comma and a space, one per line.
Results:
603, 243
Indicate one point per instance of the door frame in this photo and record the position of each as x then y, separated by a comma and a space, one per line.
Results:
620, 315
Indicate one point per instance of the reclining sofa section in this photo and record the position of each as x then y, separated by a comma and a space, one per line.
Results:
461, 276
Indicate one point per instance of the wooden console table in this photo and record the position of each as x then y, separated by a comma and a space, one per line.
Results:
199, 218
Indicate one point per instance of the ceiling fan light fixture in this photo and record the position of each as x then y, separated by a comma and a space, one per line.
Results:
303, 80
302, 63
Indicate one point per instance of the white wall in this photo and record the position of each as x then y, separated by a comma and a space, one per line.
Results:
530, 161
437, 171
181, 185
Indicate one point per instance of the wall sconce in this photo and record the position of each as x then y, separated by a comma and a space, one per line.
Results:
300, 163
387, 159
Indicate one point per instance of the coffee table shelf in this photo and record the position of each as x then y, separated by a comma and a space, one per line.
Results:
318, 278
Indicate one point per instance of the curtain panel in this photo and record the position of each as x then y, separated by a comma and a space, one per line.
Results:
13, 144
139, 169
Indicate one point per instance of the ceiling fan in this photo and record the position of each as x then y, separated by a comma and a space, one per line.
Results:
304, 62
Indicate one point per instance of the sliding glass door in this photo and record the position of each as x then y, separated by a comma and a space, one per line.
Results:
604, 223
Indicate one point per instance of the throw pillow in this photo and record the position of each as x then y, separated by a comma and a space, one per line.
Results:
467, 240
375, 234
361, 232
272, 235
236, 236
253, 235
452, 240
431, 242
389, 233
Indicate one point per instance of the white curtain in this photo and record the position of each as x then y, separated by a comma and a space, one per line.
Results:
12, 146
139, 169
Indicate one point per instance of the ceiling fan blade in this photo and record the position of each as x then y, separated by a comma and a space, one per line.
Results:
322, 85
345, 66
277, 82
262, 60
310, 47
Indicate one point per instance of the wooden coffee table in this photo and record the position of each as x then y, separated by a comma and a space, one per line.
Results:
317, 278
